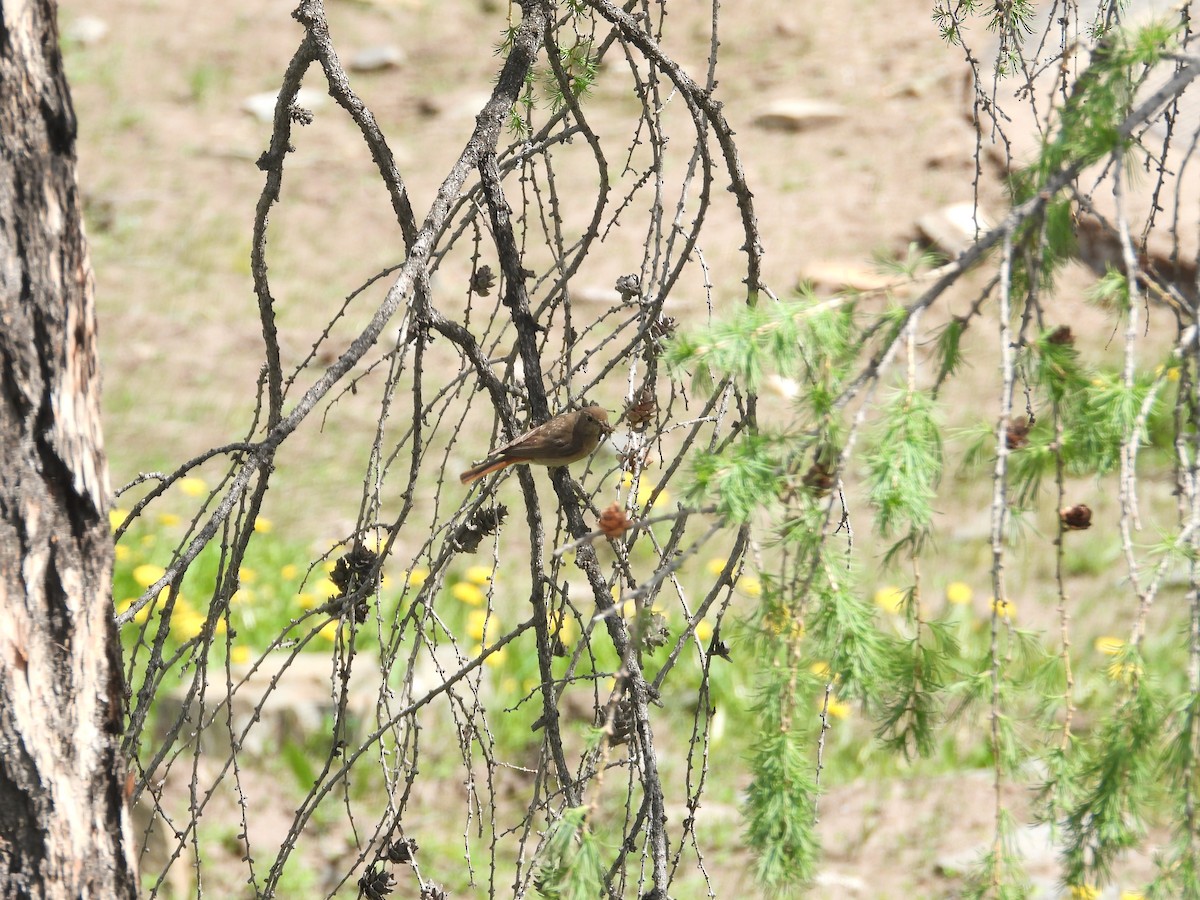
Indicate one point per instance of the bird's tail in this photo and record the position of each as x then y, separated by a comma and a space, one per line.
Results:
487, 467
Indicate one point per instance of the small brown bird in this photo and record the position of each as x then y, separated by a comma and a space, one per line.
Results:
568, 437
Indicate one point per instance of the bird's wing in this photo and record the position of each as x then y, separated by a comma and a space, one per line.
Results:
552, 446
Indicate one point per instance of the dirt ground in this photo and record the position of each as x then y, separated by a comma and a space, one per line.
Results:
167, 164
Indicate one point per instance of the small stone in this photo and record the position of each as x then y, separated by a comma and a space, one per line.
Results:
841, 885
789, 27
798, 115
921, 86
429, 107
951, 229
1032, 844
787, 388
262, 106
376, 59
593, 293
835, 275
86, 31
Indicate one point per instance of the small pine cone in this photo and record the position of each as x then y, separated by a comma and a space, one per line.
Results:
481, 524
483, 281
1016, 435
629, 287
351, 571
663, 327
819, 479
642, 409
1061, 335
634, 458
614, 522
376, 884
402, 851
622, 723
1076, 518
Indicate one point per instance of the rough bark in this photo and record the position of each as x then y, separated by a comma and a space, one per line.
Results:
64, 825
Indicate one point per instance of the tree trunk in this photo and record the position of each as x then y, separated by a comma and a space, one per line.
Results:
64, 824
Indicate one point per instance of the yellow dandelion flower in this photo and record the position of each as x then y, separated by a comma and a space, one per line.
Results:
305, 600
386, 582
508, 685
193, 486
186, 621
890, 599
1005, 609
1173, 373
1132, 895
1109, 646
146, 574
615, 590
470, 594
117, 517
329, 631
959, 593
417, 576
289, 572
836, 709
477, 624
716, 566
122, 553
326, 589
263, 525
140, 616
328, 566
1125, 672
498, 658
1084, 892
186, 627
168, 520
704, 631
779, 621
243, 597
240, 654
148, 540
750, 586
247, 575
480, 575
629, 609
564, 628
645, 491
820, 669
